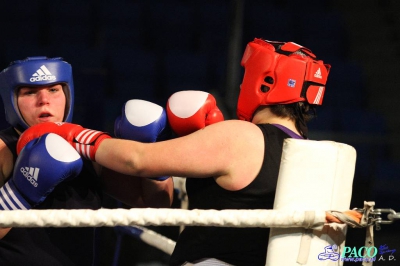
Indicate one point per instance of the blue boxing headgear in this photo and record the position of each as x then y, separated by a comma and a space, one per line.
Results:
33, 72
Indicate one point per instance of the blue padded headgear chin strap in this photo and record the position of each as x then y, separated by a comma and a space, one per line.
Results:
33, 72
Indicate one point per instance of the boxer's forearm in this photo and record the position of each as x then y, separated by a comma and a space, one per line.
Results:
119, 155
158, 194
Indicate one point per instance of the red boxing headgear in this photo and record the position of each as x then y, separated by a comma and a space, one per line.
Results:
279, 73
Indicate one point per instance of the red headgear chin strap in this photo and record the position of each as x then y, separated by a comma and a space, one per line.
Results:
279, 73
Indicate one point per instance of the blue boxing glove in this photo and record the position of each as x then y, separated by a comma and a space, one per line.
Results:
42, 164
142, 121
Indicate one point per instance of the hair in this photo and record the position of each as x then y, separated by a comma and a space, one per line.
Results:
300, 112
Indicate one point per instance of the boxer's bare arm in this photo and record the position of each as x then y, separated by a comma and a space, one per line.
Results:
6, 163
136, 191
233, 158
6, 166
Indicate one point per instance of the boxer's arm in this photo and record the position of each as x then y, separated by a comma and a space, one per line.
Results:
32, 179
84, 140
6, 165
206, 153
74, 134
142, 121
136, 191
4, 232
6, 162
42, 164
230, 158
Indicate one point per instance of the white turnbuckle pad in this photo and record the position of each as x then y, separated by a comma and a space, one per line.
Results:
313, 176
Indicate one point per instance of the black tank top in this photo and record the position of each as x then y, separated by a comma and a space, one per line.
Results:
237, 246
54, 246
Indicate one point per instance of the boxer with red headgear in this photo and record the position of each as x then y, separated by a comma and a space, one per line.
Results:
229, 164
278, 73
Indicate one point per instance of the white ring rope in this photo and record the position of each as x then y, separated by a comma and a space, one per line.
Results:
169, 217
149, 237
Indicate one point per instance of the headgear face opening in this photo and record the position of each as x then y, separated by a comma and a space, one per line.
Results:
34, 72
279, 73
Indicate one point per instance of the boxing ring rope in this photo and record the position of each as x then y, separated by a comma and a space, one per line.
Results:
157, 217
147, 236
131, 220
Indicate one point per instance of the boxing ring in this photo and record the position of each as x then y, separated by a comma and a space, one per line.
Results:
131, 221
309, 170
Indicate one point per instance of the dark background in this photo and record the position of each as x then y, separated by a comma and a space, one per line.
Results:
122, 50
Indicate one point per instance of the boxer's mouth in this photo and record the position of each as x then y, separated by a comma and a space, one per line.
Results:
44, 115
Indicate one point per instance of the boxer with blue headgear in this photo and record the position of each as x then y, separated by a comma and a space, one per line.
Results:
34, 90
37, 90
34, 72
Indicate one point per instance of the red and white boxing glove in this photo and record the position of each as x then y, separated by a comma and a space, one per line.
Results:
85, 141
189, 111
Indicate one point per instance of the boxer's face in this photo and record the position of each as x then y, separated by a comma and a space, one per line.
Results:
41, 104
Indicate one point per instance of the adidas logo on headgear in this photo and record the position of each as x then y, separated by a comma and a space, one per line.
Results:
318, 74
42, 74
31, 174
